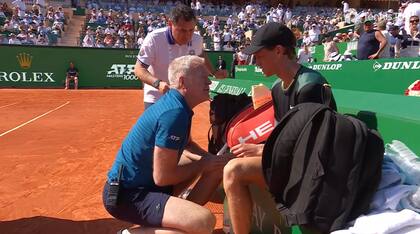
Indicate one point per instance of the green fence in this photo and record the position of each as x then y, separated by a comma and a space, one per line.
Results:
391, 76
45, 67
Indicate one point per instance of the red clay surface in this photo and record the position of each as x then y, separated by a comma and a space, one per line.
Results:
53, 168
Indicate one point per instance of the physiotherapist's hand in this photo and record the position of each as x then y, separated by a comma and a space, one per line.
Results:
247, 150
221, 74
163, 87
216, 162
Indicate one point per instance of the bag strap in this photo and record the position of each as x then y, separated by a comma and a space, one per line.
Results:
290, 218
326, 94
358, 156
297, 169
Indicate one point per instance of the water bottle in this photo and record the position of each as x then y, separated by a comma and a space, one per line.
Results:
412, 202
406, 159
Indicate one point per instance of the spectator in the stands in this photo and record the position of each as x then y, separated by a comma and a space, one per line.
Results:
304, 54
359, 25
395, 42
411, 41
119, 44
8, 26
346, 6
381, 26
412, 9
108, 41
242, 57
99, 43
314, 34
21, 7
41, 5
306, 39
3, 39
128, 42
371, 43
228, 47
88, 40
13, 40
42, 40
140, 40
330, 46
6, 9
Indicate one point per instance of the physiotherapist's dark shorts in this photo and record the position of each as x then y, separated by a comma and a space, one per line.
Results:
143, 206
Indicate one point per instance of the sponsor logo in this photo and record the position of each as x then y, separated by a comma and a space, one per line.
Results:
402, 65
25, 60
234, 90
174, 138
258, 69
257, 132
241, 69
121, 71
39, 77
130, 56
213, 85
327, 67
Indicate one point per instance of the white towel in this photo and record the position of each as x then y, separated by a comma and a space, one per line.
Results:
385, 223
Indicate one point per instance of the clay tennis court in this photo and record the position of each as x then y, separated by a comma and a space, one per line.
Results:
55, 149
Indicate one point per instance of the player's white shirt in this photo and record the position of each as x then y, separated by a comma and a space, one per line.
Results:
158, 50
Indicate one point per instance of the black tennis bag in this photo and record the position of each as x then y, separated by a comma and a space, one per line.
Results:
322, 167
223, 108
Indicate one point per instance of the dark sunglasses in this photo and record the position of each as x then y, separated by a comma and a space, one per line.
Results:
414, 21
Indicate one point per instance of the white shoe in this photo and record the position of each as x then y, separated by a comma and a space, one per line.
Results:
123, 231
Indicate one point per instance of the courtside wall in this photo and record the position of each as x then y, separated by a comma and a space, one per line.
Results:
392, 76
45, 67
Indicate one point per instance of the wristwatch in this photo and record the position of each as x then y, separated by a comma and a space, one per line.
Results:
156, 83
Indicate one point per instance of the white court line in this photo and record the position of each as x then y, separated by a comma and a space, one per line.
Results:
32, 120
9, 105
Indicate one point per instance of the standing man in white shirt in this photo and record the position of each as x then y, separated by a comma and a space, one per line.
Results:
346, 6
162, 46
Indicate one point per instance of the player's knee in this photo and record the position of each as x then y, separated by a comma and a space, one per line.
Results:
202, 222
206, 224
232, 172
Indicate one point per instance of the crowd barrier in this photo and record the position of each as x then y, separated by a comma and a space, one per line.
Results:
45, 67
391, 76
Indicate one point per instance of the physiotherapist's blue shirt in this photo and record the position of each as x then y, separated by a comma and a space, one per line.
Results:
166, 124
